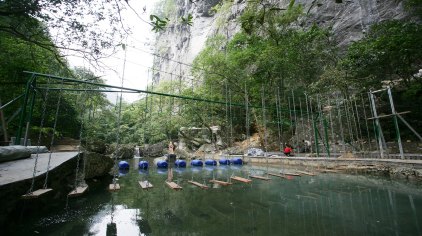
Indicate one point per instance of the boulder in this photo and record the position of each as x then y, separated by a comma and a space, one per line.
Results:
125, 151
156, 150
255, 152
97, 164
10, 153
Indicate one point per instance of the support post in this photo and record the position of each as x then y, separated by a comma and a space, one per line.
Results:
377, 125
316, 135
23, 111
326, 136
28, 121
3, 125
396, 124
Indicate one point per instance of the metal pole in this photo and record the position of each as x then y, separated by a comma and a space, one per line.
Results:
377, 124
3, 125
294, 112
341, 123
308, 121
23, 111
366, 124
28, 122
316, 136
291, 117
326, 136
301, 119
333, 137
396, 124
277, 102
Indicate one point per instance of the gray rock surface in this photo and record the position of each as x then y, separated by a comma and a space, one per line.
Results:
97, 165
348, 21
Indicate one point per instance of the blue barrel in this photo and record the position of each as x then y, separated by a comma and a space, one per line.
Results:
210, 162
123, 172
180, 163
143, 165
196, 163
224, 162
236, 161
123, 165
162, 164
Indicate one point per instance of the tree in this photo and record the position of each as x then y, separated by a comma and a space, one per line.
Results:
77, 26
391, 51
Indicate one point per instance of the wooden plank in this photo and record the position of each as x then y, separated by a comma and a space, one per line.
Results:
78, 191
145, 184
240, 179
219, 182
203, 186
259, 177
278, 175
173, 185
36, 193
114, 187
305, 173
292, 174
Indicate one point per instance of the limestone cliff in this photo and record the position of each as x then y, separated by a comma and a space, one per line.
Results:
348, 21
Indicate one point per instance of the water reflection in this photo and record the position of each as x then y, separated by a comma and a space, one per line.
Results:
326, 204
123, 172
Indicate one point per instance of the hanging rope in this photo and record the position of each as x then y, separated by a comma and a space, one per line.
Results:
44, 108
118, 124
53, 134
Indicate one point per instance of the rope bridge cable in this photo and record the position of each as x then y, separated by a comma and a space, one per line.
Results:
127, 90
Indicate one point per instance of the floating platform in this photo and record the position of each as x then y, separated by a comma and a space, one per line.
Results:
78, 191
36, 193
240, 179
145, 184
203, 186
219, 182
292, 174
173, 185
277, 175
305, 173
114, 187
259, 177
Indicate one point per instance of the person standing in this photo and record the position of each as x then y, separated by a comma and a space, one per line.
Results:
171, 159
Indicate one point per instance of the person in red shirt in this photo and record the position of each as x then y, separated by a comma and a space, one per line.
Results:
288, 150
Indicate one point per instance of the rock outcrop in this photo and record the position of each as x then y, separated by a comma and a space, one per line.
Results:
97, 165
348, 21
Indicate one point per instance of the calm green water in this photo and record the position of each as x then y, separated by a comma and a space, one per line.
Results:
326, 204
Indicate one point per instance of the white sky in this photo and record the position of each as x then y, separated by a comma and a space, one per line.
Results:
138, 62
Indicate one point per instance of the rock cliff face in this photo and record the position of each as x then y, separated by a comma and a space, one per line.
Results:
179, 44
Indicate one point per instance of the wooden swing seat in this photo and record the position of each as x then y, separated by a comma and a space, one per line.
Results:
240, 179
36, 193
114, 187
173, 185
259, 177
223, 183
145, 184
78, 191
203, 186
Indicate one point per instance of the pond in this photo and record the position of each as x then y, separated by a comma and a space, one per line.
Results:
325, 204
